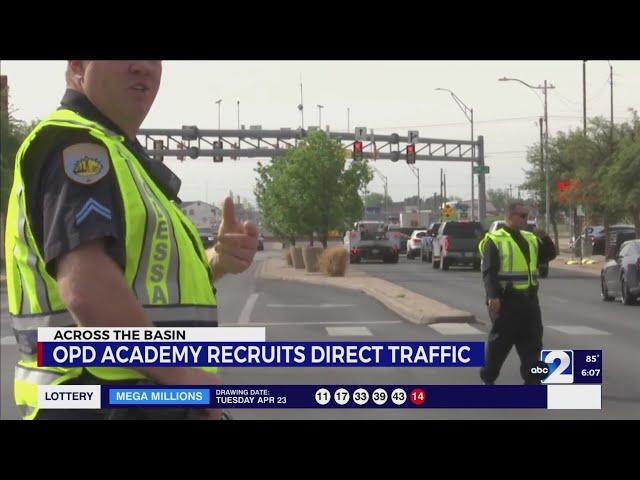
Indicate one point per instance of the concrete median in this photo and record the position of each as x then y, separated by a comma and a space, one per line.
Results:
411, 306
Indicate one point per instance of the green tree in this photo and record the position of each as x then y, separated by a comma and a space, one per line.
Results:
311, 189
499, 199
621, 180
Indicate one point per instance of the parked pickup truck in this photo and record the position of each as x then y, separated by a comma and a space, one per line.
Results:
370, 240
457, 244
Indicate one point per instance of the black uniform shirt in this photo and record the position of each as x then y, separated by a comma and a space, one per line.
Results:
66, 211
491, 259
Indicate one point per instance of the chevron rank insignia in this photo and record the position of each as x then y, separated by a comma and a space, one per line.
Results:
90, 206
85, 163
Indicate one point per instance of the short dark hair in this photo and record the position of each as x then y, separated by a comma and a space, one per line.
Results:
513, 206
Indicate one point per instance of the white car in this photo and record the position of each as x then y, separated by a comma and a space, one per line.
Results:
414, 244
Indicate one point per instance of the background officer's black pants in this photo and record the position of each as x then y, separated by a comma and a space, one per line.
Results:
519, 323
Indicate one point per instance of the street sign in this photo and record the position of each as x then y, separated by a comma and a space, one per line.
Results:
413, 136
360, 133
481, 169
448, 211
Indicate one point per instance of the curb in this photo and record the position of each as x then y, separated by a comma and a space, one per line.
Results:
411, 306
586, 268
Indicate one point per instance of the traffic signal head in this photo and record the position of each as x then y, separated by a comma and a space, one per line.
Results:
217, 145
411, 153
357, 150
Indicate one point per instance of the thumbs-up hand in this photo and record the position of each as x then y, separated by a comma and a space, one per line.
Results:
237, 243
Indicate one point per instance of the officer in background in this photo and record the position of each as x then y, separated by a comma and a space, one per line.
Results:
95, 237
510, 259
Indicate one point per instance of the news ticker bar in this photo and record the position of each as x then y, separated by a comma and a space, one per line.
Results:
322, 397
260, 354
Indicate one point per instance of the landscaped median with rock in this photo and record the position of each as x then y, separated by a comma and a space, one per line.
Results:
590, 266
412, 306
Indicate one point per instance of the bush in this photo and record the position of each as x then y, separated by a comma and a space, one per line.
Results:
334, 261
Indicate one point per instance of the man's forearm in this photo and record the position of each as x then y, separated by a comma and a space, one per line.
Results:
105, 300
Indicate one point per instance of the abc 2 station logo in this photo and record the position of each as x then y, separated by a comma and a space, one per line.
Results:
555, 366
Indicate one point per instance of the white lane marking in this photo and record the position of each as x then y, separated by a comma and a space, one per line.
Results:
577, 330
349, 332
455, 329
300, 324
245, 315
322, 305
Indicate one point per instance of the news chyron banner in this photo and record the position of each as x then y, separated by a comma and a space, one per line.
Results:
570, 379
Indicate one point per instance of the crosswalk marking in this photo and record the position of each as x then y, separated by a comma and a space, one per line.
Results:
8, 340
577, 330
455, 329
349, 332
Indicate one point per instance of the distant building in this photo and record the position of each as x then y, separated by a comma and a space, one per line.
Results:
202, 214
491, 209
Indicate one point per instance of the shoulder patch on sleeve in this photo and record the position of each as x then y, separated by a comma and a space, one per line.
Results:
85, 163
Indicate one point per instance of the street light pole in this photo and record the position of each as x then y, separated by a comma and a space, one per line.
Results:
218, 102
348, 119
416, 173
238, 104
468, 112
384, 179
546, 87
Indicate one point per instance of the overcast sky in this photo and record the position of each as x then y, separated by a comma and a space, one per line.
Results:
387, 96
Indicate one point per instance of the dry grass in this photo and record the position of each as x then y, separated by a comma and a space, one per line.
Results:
289, 258
334, 261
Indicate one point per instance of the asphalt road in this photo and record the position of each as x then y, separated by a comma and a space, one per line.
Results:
574, 317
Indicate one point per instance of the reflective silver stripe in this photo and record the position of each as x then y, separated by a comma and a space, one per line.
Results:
173, 283
155, 314
41, 289
38, 377
140, 282
156, 213
25, 328
32, 322
182, 314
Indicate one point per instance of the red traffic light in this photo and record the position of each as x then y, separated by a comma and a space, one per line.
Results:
357, 150
411, 153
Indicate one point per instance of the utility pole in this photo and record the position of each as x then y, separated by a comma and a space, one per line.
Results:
468, 112
547, 216
445, 188
546, 88
611, 82
301, 104
584, 96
